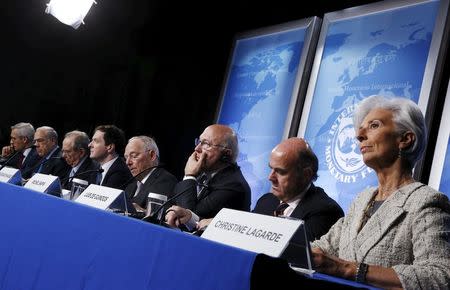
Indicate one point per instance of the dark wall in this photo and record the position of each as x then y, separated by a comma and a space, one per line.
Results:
150, 67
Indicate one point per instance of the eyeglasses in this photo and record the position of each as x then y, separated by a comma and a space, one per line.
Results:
40, 140
205, 144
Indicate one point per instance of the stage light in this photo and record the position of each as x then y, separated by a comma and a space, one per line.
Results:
70, 12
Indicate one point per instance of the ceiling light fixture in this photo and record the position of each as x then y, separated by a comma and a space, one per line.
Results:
70, 12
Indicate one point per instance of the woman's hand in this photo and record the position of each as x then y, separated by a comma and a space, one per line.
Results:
331, 265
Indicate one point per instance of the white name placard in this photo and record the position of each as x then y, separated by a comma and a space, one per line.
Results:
253, 232
11, 175
98, 196
44, 183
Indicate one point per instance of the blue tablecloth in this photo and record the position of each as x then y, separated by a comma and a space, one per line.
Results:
50, 243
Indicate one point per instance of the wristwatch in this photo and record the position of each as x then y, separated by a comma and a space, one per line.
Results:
361, 271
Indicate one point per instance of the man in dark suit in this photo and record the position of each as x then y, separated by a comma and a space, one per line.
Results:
142, 158
22, 136
46, 141
214, 159
75, 151
294, 168
106, 147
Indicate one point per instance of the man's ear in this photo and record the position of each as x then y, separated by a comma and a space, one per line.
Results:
407, 140
111, 148
307, 173
152, 155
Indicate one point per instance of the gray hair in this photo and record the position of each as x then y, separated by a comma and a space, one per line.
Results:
406, 116
149, 143
50, 133
230, 141
80, 140
24, 130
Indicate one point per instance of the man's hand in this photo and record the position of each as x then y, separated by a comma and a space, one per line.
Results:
202, 224
176, 216
7, 150
195, 166
138, 207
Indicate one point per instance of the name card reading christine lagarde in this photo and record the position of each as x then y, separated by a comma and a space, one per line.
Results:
253, 232
98, 196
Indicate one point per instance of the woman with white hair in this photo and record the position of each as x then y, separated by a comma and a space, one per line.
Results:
396, 235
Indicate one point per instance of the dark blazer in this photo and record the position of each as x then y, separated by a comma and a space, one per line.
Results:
87, 165
32, 159
55, 165
228, 188
316, 209
117, 175
26, 168
160, 181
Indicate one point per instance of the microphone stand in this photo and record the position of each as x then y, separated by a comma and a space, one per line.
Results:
153, 217
132, 178
9, 159
139, 174
69, 179
41, 162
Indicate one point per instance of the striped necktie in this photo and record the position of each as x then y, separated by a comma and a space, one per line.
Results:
279, 211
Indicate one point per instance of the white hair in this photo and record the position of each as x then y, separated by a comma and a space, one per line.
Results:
406, 116
149, 143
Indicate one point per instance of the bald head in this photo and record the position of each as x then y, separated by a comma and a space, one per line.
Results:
294, 165
224, 136
291, 148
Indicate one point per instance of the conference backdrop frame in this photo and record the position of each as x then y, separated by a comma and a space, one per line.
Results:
276, 89
360, 53
440, 168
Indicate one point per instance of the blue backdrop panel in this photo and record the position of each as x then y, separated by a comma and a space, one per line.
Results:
50, 243
375, 52
261, 83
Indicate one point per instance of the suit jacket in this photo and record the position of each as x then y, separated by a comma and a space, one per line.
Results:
117, 175
160, 181
228, 188
316, 209
90, 177
55, 165
26, 168
32, 159
409, 232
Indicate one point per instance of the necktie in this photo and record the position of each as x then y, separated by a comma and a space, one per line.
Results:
20, 160
99, 178
72, 173
280, 209
138, 188
202, 183
42, 164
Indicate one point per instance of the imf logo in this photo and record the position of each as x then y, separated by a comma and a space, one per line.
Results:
342, 155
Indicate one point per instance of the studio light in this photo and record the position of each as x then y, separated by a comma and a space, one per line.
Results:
70, 12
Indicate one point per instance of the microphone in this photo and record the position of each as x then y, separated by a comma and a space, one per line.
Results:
139, 174
153, 217
9, 159
41, 162
66, 180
